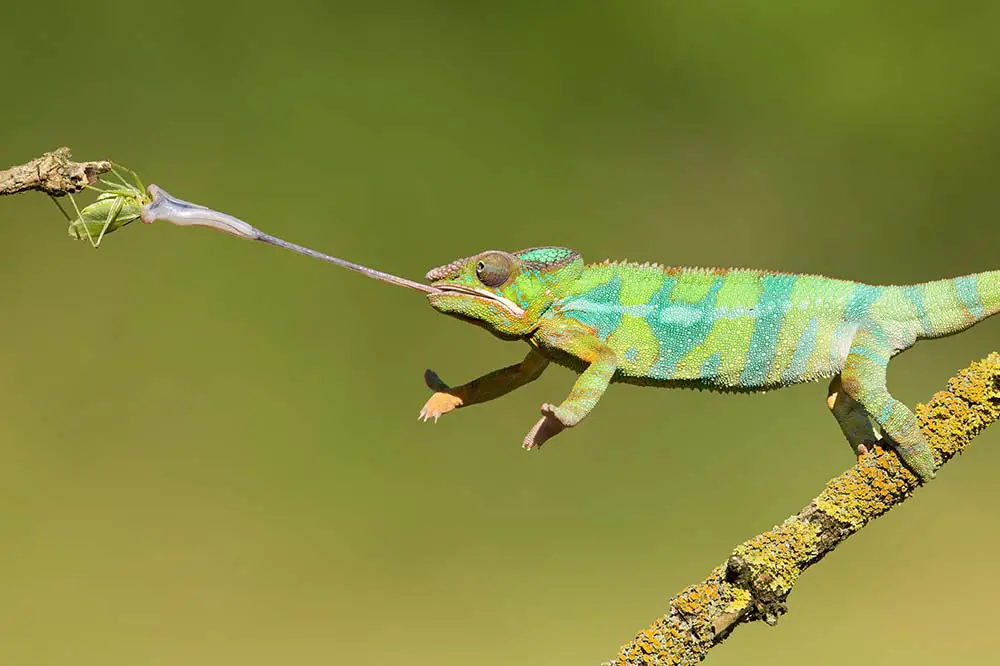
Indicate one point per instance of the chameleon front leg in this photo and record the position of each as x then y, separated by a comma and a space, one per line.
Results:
489, 386
587, 390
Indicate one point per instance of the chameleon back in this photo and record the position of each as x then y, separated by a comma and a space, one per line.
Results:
732, 329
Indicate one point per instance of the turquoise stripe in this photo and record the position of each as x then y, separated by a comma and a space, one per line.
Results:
679, 327
860, 302
599, 307
916, 296
968, 290
770, 311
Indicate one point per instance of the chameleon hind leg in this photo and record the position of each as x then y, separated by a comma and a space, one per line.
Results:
863, 380
852, 417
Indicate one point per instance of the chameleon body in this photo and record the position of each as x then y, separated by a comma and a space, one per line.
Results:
723, 329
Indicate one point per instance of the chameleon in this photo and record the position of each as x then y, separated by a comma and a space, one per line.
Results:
725, 329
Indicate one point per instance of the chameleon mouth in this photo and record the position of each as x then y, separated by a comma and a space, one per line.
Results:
462, 290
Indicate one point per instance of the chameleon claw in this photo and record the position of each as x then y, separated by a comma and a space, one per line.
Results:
424, 415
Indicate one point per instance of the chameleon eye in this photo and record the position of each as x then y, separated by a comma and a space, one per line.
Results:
494, 268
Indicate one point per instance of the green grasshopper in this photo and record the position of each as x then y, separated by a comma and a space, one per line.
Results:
118, 204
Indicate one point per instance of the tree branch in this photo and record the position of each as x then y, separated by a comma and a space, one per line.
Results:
755, 581
52, 173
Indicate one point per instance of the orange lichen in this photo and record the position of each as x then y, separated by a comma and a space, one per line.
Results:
866, 491
686, 633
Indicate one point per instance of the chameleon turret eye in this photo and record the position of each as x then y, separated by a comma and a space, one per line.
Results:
494, 268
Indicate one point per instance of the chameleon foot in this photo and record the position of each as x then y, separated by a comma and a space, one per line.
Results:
438, 404
923, 468
441, 402
547, 427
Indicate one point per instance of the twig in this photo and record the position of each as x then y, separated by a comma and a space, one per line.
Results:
52, 173
755, 581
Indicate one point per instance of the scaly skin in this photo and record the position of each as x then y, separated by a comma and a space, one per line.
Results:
722, 329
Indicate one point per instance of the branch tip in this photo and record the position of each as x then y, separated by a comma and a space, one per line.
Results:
53, 173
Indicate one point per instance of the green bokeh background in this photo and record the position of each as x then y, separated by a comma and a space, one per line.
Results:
209, 452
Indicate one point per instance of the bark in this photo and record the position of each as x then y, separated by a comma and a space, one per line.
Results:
53, 173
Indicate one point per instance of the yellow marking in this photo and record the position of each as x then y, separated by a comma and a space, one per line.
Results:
692, 286
634, 333
742, 289
893, 305
730, 338
641, 286
945, 310
593, 276
818, 364
988, 290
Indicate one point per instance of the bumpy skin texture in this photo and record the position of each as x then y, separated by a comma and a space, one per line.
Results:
722, 329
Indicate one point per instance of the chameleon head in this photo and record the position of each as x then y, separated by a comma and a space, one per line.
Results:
504, 292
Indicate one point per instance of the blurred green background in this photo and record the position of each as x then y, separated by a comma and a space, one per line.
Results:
209, 451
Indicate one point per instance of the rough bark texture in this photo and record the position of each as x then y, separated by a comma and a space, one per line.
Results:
754, 582
53, 173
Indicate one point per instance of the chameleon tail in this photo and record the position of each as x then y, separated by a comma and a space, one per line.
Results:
944, 307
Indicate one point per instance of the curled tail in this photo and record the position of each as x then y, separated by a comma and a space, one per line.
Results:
944, 307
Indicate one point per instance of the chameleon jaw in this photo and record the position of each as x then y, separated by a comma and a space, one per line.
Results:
462, 290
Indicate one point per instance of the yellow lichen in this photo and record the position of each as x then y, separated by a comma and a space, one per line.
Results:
741, 599
775, 557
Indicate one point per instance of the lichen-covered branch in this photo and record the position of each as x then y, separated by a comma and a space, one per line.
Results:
756, 579
53, 173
